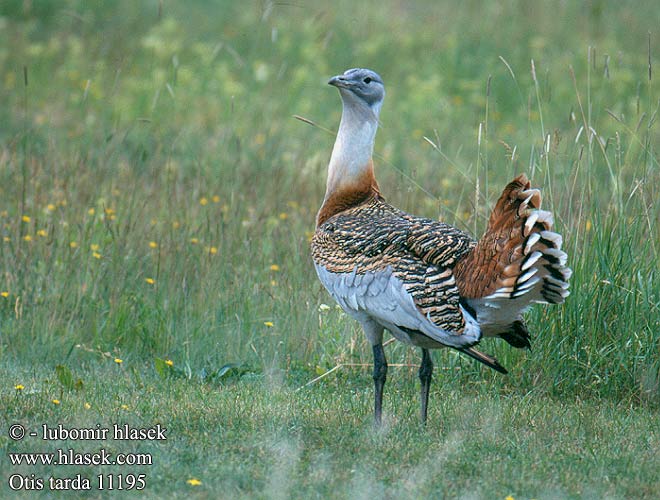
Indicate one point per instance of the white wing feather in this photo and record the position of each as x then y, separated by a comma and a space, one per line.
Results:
384, 298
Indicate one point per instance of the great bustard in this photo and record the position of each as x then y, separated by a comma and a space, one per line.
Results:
429, 284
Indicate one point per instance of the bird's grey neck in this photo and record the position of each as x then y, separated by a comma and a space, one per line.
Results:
353, 147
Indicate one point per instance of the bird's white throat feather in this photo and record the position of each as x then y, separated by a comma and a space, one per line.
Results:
353, 147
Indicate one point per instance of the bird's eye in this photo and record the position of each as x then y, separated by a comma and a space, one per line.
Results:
367, 80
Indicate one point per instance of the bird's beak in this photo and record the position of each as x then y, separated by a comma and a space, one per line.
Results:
339, 81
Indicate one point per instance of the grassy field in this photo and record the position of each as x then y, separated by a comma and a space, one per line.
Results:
157, 196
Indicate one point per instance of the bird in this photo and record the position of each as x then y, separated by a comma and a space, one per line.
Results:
429, 284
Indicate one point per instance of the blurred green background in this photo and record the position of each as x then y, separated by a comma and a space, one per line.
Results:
157, 197
156, 141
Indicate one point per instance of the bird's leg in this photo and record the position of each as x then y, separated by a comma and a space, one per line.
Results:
380, 375
425, 374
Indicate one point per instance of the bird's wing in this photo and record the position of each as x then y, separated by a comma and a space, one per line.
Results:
378, 260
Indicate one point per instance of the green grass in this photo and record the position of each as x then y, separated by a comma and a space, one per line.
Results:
260, 438
128, 123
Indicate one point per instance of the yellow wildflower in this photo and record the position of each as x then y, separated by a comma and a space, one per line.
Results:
169, 362
193, 481
56, 401
50, 207
124, 407
26, 218
213, 250
274, 267
273, 283
87, 406
283, 216
119, 361
4, 294
153, 244
216, 198
19, 387
42, 233
96, 255
91, 211
151, 281
176, 224
6, 239
203, 201
587, 226
27, 237
73, 244
269, 324
94, 247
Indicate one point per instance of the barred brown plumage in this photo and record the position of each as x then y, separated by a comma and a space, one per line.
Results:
426, 282
421, 252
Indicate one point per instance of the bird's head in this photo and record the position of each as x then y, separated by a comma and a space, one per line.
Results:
361, 88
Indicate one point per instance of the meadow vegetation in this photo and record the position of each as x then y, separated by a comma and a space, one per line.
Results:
157, 196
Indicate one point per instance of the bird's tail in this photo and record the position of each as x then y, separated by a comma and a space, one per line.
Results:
516, 263
484, 358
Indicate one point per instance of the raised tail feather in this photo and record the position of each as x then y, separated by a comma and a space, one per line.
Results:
516, 263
